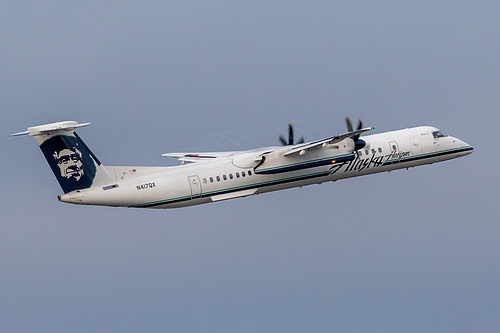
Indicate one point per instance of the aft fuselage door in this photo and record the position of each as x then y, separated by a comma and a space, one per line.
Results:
194, 182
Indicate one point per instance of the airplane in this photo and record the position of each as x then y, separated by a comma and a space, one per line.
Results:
215, 176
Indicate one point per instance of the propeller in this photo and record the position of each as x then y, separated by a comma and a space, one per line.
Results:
358, 143
290, 141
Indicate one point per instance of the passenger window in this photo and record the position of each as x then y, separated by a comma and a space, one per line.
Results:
373, 151
230, 176
366, 152
218, 178
243, 174
211, 179
237, 175
249, 172
359, 153
224, 177
394, 147
204, 180
379, 149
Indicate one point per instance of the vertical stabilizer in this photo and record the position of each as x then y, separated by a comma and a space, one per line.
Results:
71, 161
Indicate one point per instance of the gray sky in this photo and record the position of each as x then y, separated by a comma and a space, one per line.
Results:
412, 251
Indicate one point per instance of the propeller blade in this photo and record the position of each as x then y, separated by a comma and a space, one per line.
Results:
290, 141
358, 143
349, 124
360, 126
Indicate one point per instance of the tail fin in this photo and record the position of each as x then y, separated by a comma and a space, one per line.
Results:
73, 163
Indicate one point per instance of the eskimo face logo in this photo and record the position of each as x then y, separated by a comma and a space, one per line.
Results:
70, 163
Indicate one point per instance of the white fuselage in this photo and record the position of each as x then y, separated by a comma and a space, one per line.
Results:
268, 169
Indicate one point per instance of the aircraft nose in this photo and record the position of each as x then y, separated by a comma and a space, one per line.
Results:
468, 150
464, 147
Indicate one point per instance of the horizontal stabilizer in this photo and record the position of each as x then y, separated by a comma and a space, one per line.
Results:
53, 127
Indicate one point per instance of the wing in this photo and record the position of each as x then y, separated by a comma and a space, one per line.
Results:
323, 142
244, 157
198, 157
255, 156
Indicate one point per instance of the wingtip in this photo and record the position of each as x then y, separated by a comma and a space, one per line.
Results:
19, 133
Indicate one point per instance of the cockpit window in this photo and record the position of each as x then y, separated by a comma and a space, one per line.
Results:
438, 134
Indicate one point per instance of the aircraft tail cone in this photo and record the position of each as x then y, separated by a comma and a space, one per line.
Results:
75, 197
